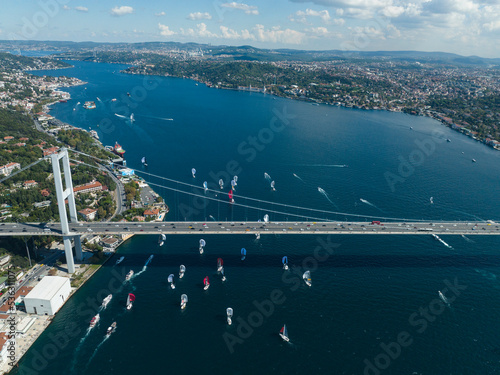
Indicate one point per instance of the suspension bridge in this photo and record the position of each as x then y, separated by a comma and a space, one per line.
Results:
71, 230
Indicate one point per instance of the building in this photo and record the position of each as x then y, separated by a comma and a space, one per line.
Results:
48, 296
88, 188
50, 151
88, 213
110, 242
29, 184
152, 213
8, 168
8, 138
45, 192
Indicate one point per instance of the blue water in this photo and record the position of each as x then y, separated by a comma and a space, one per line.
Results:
366, 291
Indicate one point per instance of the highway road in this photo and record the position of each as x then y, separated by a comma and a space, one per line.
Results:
212, 227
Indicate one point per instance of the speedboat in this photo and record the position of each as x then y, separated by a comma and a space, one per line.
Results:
129, 275
111, 329
106, 300
120, 260
94, 321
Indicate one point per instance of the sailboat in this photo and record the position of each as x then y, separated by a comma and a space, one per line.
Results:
220, 263
130, 300
161, 239
266, 218
243, 253
184, 300
229, 313
272, 185
182, 270
193, 171
171, 280
233, 184
94, 321
222, 273
129, 275
307, 278
284, 260
221, 183
144, 161
206, 282
132, 118
284, 333
202, 245
205, 186
235, 179
230, 195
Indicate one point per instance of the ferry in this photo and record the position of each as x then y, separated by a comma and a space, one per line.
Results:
94, 321
106, 300
89, 105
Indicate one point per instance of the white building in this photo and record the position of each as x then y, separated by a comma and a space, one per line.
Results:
48, 296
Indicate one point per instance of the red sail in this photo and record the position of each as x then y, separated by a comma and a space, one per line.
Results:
131, 297
219, 262
206, 281
282, 329
230, 194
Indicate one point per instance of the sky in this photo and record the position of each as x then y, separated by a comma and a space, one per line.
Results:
465, 27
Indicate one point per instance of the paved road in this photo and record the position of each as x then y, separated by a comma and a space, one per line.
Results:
438, 228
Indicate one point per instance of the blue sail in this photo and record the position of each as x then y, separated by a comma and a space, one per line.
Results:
284, 260
243, 253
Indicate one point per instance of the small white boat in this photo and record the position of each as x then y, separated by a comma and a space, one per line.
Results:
307, 278
206, 283
184, 300
111, 329
229, 313
443, 298
106, 300
182, 270
171, 280
202, 245
130, 300
94, 321
113, 100
119, 260
284, 260
129, 275
284, 333
473, 160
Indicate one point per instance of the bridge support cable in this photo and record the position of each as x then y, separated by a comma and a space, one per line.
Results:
63, 194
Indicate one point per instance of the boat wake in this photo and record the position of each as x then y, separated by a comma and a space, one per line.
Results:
441, 240
121, 116
96, 350
325, 165
157, 118
294, 175
467, 239
75, 354
327, 197
267, 177
370, 204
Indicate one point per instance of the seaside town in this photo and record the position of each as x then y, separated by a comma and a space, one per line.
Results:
112, 192
35, 275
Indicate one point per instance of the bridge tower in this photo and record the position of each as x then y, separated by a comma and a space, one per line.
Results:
62, 195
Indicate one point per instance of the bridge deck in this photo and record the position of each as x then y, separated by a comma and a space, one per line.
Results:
198, 228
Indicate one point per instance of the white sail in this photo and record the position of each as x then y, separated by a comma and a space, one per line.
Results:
221, 183
184, 300
307, 277
272, 185
193, 171
182, 270
171, 280
229, 313
266, 218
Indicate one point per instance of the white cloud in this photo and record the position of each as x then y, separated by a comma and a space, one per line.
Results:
228, 33
82, 9
165, 30
276, 35
161, 14
301, 16
393, 11
65, 7
201, 31
199, 16
121, 11
318, 31
248, 9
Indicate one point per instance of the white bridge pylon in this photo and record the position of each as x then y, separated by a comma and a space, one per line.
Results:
62, 195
